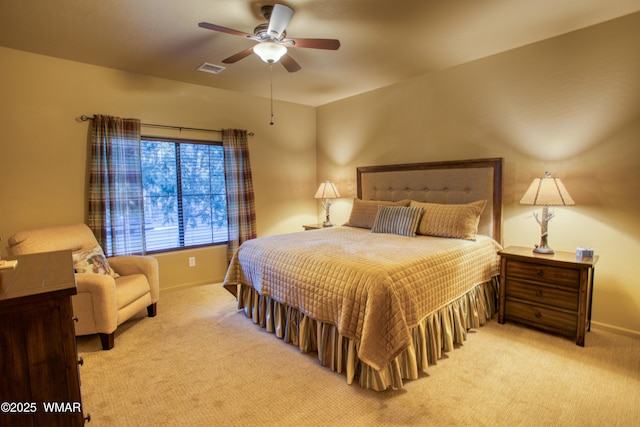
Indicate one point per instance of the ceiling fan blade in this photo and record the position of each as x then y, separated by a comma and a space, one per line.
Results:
215, 27
238, 56
290, 64
280, 17
329, 44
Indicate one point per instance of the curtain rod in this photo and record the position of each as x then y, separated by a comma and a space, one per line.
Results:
84, 118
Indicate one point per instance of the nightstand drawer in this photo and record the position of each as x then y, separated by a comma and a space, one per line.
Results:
544, 318
568, 277
542, 295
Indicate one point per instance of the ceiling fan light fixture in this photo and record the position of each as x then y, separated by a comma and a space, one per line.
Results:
270, 52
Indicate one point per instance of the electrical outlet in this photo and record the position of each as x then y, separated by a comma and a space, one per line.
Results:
192, 261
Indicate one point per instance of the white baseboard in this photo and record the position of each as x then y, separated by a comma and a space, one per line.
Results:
616, 330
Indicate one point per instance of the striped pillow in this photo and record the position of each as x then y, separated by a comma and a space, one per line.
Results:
397, 220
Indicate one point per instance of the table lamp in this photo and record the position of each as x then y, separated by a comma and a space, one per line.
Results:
546, 192
327, 191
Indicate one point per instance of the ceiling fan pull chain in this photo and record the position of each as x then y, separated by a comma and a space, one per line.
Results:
271, 86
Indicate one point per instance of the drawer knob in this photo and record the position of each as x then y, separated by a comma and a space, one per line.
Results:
537, 314
539, 294
81, 361
75, 319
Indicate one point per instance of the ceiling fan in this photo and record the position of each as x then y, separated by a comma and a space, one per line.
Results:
272, 38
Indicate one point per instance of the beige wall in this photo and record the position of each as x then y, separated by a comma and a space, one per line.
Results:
44, 149
569, 105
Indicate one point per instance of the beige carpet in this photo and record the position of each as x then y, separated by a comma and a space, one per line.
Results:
200, 362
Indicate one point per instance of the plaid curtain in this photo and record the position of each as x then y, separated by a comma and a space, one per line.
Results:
116, 210
241, 213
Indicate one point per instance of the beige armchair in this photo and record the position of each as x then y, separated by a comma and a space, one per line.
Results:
102, 302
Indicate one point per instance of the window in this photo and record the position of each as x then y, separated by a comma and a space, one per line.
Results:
185, 202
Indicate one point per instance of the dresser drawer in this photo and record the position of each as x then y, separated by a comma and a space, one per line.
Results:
541, 317
537, 294
560, 276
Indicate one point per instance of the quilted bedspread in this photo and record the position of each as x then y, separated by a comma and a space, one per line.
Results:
373, 287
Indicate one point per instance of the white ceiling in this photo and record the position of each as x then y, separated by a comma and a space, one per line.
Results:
382, 41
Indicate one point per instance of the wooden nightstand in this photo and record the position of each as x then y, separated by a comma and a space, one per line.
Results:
549, 292
312, 226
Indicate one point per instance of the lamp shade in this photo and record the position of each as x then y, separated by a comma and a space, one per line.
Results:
269, 52
547, 191
327, 190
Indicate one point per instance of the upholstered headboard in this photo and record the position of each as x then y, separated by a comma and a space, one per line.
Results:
460, 181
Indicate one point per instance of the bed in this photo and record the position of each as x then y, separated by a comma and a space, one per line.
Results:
381, 297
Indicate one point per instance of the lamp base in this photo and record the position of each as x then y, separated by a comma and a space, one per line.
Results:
543, 247
327, 222
543, 250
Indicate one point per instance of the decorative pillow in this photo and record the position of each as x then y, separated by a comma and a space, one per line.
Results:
363, 212
450, 220
93, 261
402, 220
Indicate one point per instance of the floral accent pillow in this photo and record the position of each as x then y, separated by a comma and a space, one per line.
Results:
93, 261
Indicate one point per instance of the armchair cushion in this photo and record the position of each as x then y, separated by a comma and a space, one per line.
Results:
131, 288
127, 265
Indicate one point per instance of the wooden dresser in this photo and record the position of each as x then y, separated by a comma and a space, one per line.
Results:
549, 292
40, 383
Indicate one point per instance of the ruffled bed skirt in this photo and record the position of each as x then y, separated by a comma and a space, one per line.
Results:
439, 332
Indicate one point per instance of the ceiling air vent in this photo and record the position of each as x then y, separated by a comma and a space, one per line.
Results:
211, 68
